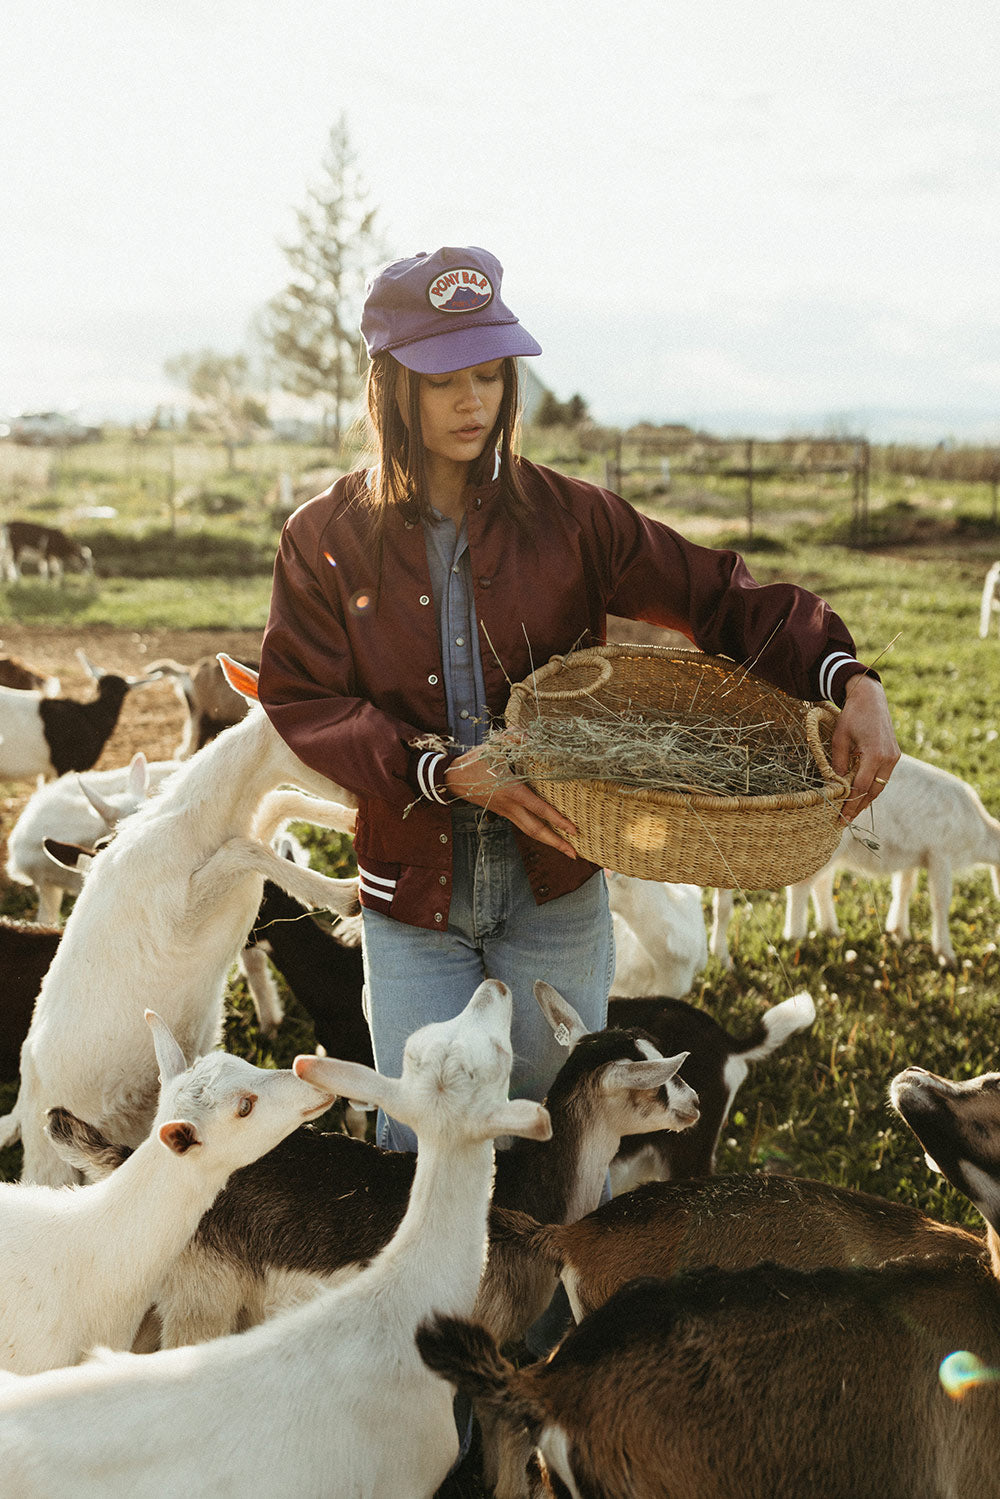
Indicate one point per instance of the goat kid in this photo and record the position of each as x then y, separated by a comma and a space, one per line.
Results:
926, 818
80, 1265
770, 1383
990, 602
47, 736
718, 1066
211, 703
164, 913
733, 1221
331, 1398
660, 941
79, 811
50, 549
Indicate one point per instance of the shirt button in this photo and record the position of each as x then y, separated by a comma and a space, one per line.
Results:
438, 916
456, 568
432, 679
424, 598
464, 713
459, 639
442, 879
443, 837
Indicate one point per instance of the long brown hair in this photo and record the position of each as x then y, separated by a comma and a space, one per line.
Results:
400, 477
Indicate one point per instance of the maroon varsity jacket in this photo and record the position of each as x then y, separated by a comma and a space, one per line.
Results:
351, 674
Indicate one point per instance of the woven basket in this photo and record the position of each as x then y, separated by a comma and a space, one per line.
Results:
733, 842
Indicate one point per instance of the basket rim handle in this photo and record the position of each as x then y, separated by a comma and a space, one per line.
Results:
530, 689
815, 717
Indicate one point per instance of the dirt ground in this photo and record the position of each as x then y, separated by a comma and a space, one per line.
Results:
152, 718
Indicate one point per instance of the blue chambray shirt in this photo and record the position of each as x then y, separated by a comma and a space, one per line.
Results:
458, 626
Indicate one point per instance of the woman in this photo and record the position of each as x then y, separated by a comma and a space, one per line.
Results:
410, 596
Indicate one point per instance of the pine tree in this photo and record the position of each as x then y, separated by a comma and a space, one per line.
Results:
312, 325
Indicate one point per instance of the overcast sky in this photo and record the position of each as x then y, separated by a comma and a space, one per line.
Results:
708, 210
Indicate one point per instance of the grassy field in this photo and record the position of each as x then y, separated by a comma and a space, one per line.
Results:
819, 1107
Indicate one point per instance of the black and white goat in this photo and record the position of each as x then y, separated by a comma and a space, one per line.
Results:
47, 736
717, 1067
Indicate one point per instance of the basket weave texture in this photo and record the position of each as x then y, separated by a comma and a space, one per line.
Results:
732, 842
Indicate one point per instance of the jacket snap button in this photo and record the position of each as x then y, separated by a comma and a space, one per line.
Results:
438, 916
432, 679
443, 879
443, 837
424, 598
543, 889
485, 582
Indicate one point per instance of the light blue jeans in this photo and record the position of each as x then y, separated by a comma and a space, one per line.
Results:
495, 930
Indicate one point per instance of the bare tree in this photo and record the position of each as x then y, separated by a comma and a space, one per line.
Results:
220, 389
312, 325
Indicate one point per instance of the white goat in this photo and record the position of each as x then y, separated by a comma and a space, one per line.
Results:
47, 736
80, 1264
330, 1398
164, 914
660, 942
925, 818
75, 811
750, 1384
990, 603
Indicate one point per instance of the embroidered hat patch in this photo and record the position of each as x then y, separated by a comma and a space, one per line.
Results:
460, 290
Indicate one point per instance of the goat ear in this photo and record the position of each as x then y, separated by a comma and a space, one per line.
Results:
179, 1135
68, 855
621, 1076
108, 813
138, 775
169, 1057
97, 672
521, 1117
240, 678
351, 1080
566, 1024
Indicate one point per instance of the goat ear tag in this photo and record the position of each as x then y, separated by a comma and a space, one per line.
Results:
561, 1035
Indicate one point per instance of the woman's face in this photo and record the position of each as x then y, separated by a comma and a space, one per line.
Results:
459, 410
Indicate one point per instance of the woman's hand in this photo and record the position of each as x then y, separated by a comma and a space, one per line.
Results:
864, 733
467, 777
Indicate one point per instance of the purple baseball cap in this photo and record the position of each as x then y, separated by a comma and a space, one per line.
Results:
441, 312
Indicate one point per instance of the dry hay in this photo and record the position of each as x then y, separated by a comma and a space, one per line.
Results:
688, 753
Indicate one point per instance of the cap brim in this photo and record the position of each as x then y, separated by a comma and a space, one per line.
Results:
460, 348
